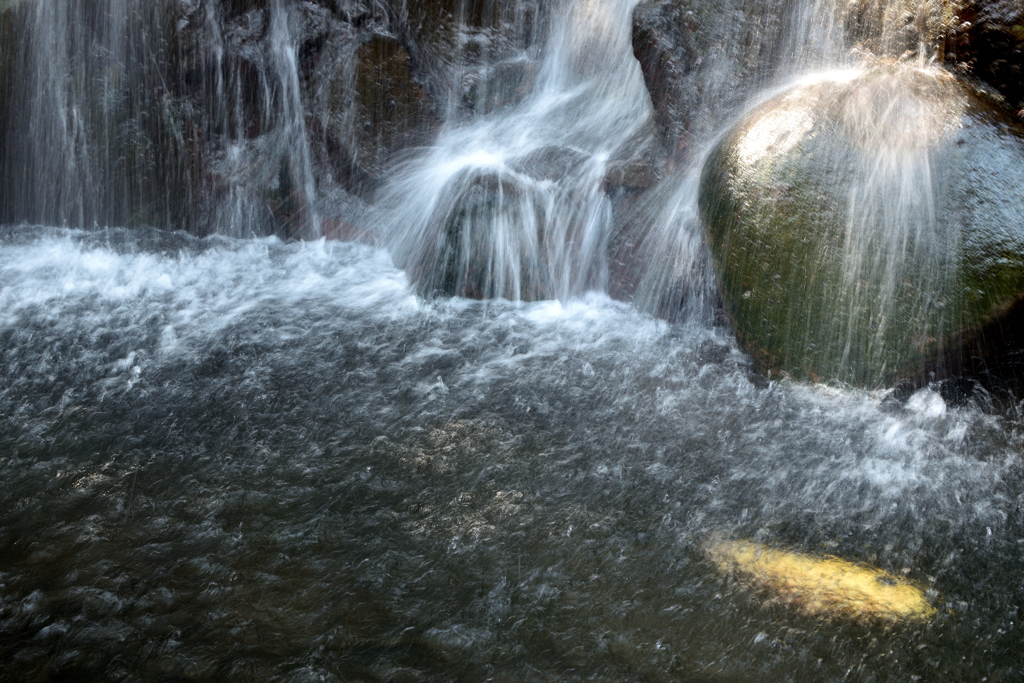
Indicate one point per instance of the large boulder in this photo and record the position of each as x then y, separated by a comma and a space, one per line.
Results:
868, 228
524, 229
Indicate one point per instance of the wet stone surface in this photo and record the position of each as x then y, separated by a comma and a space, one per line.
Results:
866, 227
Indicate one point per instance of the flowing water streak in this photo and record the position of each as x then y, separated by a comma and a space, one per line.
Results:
128, 112
890, 213
64, 61
891, 219
511, 203
297, 174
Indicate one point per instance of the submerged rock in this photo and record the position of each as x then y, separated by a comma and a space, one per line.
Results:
822, 586
868, 227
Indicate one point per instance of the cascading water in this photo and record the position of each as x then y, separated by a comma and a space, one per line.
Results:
317, 460
60, 166
105, 121
892, 208
512, 204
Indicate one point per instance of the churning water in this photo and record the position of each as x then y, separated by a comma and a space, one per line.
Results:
256, 460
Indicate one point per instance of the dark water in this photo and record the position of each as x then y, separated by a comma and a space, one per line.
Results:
245, 460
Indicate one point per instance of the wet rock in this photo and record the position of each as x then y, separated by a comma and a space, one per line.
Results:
7, 83
489, 88
342, 230
551, 163
428, 19
452, 30
635, 174
232, 8
379, 110
869, 229
699, 61
989, 43
7, 60
899, 28
663, 43
485, 239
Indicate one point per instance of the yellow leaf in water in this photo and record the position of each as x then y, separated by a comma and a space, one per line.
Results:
822, 585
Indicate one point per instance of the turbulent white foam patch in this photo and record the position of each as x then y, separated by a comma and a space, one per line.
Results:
201, 290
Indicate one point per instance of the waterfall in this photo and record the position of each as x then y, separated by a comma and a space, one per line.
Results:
297, 171
59, 160
511, 203
496, 150
127, 112
441, 340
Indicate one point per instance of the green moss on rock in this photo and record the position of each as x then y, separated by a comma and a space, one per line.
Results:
863, 225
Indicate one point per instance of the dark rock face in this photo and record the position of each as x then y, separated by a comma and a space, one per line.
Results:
376, 109
394, 111
664, 44
899, 28
506, 84
449, 31
699, 61
7, 65
871, 229
989, 43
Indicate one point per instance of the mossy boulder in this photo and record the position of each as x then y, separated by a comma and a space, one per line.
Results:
868, 227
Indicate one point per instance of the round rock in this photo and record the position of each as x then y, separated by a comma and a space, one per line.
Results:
867, 226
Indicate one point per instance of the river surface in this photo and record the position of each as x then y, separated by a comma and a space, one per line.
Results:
251, 460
